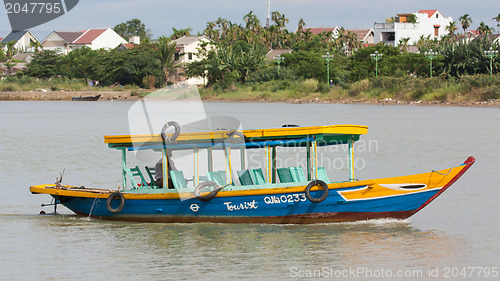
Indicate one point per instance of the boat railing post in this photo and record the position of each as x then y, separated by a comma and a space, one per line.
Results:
164, 165
124, 167
351, 158
308, 152
273, 163
242, 158
210, 160
196, 176
315, 159
229, 175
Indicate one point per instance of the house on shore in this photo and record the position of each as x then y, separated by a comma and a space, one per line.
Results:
23, 41
66, 41
61, 41
429, 23
187, 50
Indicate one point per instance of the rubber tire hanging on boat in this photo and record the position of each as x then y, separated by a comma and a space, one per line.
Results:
232, 137
176, 132
111, 197
211, 195
316, 183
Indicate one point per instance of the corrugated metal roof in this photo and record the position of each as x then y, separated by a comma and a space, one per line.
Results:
13, 36
186, 40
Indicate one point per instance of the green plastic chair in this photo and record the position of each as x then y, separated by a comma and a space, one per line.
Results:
245, 177
136, 172
218, 176
285, 175
151, 174
178, 179
322, 175
297, 174
257, 176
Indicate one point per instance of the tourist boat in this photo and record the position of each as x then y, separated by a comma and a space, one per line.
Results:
272, 193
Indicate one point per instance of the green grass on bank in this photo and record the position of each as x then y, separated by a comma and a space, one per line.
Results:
474, 88
25, 84
466, 89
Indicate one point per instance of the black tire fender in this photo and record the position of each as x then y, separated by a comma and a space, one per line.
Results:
316, 183
112, 196
211, 195
176, 132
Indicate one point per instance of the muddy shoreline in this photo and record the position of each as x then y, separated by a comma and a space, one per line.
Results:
128, 95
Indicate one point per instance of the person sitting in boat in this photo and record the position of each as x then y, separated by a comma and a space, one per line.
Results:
159, 171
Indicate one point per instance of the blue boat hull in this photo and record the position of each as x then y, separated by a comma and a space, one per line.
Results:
279, 208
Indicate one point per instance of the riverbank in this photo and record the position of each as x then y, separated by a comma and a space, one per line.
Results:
64, 95
131, 95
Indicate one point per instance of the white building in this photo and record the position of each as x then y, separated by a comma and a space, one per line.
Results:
429, 23
66, 41
187, 50
22, 41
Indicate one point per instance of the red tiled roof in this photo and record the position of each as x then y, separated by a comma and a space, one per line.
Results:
428, 12
319, 30
89, 36
1, 38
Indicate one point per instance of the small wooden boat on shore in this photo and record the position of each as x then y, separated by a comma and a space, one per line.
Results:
273, 193
86, 98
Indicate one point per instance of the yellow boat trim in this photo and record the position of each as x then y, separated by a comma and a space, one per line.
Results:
273, 132
370, 189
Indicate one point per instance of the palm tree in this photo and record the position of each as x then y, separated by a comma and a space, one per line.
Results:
166, 52
465, 21
178, 33
497, 18
484, 29
36, 45
11, 51
301, 25
403, 44
452, 27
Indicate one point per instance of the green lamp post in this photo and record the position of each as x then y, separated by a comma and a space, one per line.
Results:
430, 55
376, 57
327, 58
491, 54
279, 59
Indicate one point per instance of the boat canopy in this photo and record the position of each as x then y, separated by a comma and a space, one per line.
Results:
253, 138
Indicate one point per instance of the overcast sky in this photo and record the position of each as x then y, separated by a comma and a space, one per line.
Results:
162, 15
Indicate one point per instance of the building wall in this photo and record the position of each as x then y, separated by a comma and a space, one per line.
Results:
423, 27
23, 44
55, 42
191, 54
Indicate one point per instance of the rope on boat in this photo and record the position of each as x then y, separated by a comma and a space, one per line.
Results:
442, 173
93, 203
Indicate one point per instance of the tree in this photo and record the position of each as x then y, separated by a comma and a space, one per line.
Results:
133, 27
404, 44
11, 51
497, 19
484, 29
178, 33
36, 45
166, 53
465, 21
451, 28
44, 64
412, 18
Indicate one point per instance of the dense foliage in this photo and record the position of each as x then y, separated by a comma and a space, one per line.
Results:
237, 55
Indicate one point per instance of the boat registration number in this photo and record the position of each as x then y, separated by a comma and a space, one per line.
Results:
290, 198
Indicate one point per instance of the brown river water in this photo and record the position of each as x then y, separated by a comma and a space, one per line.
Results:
454, 238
